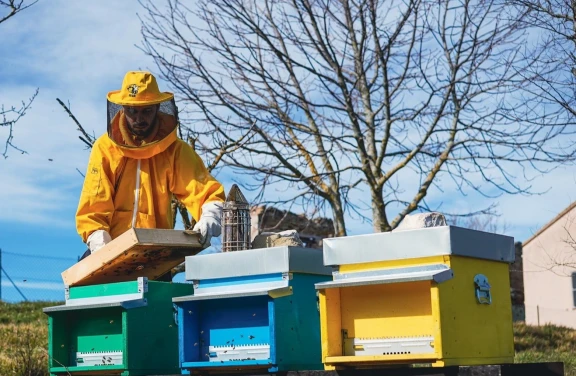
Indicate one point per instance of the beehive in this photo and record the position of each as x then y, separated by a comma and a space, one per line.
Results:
124, 328
436, 295
254, 309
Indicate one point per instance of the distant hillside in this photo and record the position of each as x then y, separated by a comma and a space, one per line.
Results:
23, 341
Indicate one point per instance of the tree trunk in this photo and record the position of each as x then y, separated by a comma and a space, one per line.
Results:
338, 220
379, 220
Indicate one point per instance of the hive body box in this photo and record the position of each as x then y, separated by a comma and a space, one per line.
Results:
437, 295
252, 309
123, 328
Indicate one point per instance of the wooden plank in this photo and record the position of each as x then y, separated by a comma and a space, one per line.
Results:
136, 253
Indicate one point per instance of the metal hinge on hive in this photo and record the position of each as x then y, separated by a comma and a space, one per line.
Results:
389, 346
98, 358
239, 352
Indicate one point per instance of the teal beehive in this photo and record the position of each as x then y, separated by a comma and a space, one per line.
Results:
124, 328
253, 309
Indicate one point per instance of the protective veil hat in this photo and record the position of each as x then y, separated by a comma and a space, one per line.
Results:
139, 89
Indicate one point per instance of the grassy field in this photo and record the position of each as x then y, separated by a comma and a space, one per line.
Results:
23, 342
23, 339
546, 343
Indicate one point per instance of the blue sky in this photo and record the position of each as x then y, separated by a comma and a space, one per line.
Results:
78, 51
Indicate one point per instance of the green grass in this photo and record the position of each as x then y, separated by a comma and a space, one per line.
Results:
23, 313
546, 343
23, 341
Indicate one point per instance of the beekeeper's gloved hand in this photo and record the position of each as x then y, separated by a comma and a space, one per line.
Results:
98, 239
210, 223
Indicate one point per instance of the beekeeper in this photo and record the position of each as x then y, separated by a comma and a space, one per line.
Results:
136, 167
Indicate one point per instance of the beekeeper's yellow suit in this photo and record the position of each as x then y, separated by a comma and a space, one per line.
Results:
129, 182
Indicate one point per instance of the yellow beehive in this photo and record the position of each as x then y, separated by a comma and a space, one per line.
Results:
437, 295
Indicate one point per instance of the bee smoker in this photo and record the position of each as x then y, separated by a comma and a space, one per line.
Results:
236, 222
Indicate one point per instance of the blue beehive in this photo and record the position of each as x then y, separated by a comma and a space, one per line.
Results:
253, 309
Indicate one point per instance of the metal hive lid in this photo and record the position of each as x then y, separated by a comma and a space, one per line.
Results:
254, 262
416, 243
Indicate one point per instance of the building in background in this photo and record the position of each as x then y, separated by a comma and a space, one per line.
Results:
549, 272
311, 231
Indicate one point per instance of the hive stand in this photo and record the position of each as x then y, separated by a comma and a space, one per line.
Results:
252, 310
124, 328
436, 295
517, 369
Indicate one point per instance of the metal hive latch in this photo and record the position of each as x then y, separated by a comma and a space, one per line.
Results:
482, 288
236, 222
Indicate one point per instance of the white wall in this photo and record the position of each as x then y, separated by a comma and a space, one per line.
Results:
549, 260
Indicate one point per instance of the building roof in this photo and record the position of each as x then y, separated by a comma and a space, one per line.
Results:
547, 225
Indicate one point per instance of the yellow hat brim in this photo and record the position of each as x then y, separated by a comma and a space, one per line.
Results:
116, 97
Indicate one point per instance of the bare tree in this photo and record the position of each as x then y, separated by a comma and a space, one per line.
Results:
554, 34
483, 222
351, 99
9, 116
10, 8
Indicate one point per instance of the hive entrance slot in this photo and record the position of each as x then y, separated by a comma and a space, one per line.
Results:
98, 358
389, 346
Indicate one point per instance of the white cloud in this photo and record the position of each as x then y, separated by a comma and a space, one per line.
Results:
528, 213
76, 52
34, 187
77, 46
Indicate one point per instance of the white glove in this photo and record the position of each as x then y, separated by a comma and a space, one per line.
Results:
210, 223
97, 240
